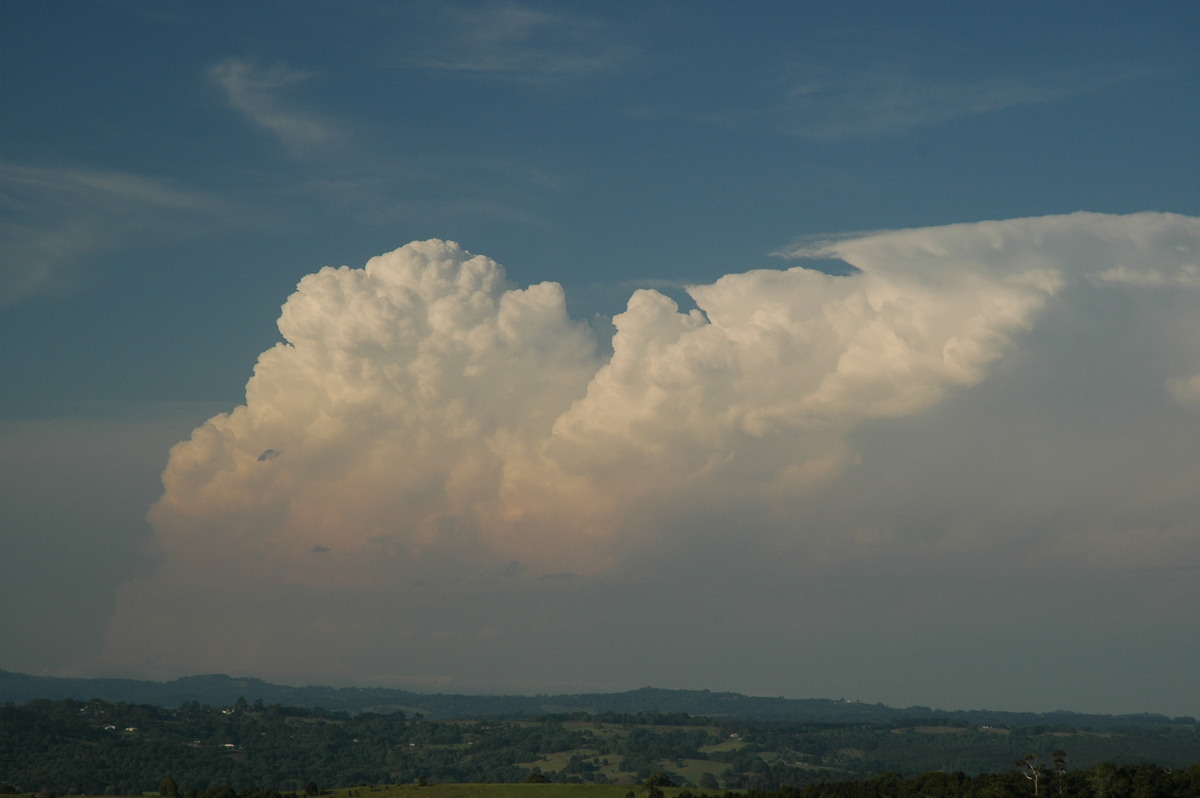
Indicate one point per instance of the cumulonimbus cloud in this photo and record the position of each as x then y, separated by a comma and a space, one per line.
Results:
425, 421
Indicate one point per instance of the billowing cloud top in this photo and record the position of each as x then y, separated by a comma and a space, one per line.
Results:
426, 423
404, 392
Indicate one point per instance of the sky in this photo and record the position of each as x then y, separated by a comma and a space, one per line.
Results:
823, 351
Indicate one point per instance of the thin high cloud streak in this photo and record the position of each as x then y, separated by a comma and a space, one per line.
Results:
863, 103
431, 442
891, 102
511, 41
57, 217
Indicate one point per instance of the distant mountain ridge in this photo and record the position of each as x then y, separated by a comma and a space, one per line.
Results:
222, 690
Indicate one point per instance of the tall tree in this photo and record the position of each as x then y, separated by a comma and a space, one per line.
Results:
1031, 768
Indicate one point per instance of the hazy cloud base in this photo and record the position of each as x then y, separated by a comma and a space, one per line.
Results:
957, 454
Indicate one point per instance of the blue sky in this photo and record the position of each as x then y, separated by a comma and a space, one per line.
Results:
170, 171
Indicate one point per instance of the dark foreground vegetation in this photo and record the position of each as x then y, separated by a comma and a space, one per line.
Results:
1106, 781
250, 750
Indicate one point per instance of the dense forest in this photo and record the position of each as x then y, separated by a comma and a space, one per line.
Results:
94, 747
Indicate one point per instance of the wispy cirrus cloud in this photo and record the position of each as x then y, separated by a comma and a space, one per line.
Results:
53, 218
516, 42
261, 94
862, 103
884, 101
